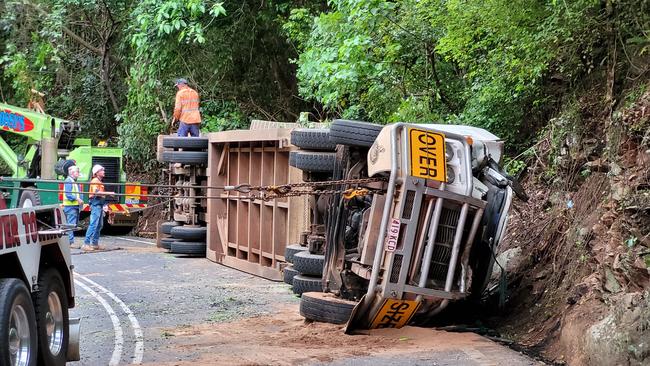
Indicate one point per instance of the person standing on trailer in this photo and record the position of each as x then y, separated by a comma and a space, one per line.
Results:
97, 199
186, 110
72, 201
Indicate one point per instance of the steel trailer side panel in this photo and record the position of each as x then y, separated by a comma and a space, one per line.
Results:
251, 235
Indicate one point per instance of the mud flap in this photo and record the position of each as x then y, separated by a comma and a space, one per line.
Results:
73, 340
382, 313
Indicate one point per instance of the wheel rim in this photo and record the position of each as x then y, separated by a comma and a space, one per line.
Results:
20, 345
28, 203
54, 323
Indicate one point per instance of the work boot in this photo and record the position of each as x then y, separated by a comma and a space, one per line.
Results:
99, 247
87, 248
75, 246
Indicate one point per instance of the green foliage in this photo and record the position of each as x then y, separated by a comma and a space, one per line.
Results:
222, 116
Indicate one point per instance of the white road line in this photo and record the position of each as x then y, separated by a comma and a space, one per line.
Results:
137, 331
133, 240
119, 334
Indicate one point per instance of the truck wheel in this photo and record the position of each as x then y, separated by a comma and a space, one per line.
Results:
325, 307
354, 133
303, 283
185, 157
309, 264
166, 227
18, 340
189, 232
311, 161
312, 139
188, 247
291, 250
185, 142
166, 243
52, 322
288, 273
29, 198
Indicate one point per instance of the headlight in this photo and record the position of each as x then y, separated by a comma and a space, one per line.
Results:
449, 152
451, 175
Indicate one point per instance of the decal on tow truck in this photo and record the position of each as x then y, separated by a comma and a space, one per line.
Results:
427, 154
9, 230
16, 122
394, 313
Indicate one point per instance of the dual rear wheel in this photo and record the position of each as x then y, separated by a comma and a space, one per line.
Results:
34, 328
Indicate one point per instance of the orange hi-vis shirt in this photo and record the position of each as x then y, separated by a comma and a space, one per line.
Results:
95, 186
186, 109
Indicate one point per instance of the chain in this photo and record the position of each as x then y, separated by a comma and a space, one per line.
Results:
287, 190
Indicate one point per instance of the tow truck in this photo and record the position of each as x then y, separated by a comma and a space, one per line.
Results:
36, 288
52, 146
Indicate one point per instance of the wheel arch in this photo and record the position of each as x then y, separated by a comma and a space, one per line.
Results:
10, 268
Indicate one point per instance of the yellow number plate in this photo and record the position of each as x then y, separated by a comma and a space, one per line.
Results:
394, 313
427, 155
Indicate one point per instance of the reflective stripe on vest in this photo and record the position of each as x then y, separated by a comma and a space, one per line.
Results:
75, 192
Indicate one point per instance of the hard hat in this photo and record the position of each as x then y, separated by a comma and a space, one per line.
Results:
97, 168
180, 81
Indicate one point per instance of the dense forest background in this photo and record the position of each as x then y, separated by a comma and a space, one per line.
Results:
506, 65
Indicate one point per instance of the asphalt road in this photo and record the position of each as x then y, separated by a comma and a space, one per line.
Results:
130, 296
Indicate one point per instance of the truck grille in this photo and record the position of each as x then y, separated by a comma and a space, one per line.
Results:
112, 175
444, 243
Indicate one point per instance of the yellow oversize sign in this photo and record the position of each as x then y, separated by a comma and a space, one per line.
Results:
394, 313
427, 155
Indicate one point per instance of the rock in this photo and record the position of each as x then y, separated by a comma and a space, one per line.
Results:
599, 229
608, 218
611, 284
510, 260
614, 169
619, 191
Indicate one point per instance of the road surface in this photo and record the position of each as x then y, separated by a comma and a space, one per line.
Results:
141, 305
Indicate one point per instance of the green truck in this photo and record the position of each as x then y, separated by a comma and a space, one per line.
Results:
50, 142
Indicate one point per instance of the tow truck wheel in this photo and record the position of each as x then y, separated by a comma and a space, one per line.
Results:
18, 341
29, 198
325, 307
51, 303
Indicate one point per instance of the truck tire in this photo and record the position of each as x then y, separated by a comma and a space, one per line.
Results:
309, 264
52, 321
354, 133
326, 308
16, 303
166, 227
194, 233
303, 283
291, 251
166, 243
288, 273
312, 139
199, 143
311, 161
188, 247
185, 157
29, 198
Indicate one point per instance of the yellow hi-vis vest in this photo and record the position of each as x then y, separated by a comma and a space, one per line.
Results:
75, 192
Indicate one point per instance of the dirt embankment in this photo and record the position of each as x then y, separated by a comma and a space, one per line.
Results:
580, 248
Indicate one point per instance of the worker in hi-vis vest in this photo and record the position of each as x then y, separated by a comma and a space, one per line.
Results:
186, 110
72, 202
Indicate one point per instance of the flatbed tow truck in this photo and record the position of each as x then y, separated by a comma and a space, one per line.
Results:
36, 288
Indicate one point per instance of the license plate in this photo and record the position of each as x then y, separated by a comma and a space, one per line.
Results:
427, 154
394, 313
392, 235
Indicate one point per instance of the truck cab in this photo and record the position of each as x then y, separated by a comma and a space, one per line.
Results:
420, 237
36, 288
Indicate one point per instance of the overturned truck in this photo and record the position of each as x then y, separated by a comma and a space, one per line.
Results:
400, 247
